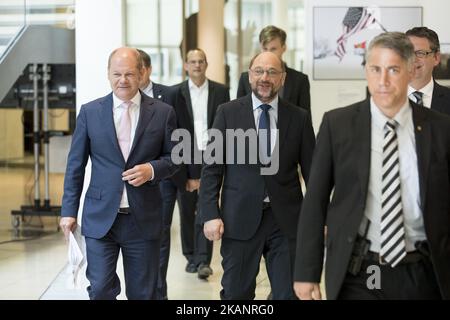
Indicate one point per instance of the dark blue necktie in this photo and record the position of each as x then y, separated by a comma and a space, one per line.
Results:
264, 138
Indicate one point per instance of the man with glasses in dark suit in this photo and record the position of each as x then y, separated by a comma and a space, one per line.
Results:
423, 89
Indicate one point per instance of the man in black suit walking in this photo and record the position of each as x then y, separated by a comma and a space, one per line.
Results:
296, 85
423, 89
258, 213
196, 102
385, 162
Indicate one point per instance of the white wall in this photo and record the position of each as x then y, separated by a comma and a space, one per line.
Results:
327, 94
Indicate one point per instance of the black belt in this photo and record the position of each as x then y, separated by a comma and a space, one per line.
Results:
266, 205
124, 210
411, 257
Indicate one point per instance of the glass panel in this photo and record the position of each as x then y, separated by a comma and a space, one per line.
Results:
142, 23
160, 37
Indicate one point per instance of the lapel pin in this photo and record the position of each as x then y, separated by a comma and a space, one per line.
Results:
419, 128
159, 96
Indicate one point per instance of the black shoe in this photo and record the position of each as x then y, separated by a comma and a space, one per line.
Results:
191, 267
204, 271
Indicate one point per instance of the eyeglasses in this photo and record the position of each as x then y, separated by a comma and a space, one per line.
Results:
423, 53
271, 73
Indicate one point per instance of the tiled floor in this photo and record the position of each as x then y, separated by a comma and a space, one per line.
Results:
32, 261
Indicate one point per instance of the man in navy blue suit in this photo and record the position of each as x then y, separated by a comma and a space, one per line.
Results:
126, 135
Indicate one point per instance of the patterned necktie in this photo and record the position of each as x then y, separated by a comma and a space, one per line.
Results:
393, 247
124, 130
419, 97
265, 148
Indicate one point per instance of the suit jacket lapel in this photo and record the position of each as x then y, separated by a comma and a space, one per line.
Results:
363, 136
146, 113
436, 101
211, 99
107, 119
422, 132
157, 92
187, 98
283, 122
288, 83
247, 120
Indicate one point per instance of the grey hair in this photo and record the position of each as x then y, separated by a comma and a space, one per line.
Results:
396, 41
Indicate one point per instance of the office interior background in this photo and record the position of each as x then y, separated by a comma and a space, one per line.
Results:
32, 252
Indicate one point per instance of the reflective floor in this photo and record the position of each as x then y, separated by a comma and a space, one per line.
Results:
33, 258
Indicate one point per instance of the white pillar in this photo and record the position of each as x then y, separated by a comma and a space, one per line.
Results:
211, 37
99, 30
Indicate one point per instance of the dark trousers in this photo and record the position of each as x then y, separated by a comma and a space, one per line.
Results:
241, 260
140, 262
195, 247
412, 281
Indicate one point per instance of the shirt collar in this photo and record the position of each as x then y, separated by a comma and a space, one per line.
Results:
256, 102
192, 85
149, 87
379, 119
427, 90
136, 100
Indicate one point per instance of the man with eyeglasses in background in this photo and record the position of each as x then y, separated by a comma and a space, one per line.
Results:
296, 85
423, 89
196, 102
258, 211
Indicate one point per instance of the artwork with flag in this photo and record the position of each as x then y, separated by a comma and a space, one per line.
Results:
342, 34
355, 20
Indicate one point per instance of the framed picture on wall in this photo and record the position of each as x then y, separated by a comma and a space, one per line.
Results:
342, 36
442, 70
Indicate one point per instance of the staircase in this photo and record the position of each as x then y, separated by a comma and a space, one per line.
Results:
34, 31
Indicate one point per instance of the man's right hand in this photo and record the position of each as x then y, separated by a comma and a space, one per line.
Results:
307, 290
68, 224
213, 229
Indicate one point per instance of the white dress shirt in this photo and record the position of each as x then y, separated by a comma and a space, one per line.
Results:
427, 93
148, 90
199, 102
410, 191
118, 111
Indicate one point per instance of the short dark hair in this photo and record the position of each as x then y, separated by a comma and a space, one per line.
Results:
283, 67
146, 60
396, 41
430, 35
271, 32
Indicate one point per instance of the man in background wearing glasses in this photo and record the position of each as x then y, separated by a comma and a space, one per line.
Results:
258, 211
423, 89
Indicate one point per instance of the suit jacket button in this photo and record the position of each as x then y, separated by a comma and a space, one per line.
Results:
349, 239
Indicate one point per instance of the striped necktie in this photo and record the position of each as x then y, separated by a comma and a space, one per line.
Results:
419, 97
393, 246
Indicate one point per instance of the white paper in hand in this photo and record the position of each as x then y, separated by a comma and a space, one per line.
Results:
76, 258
